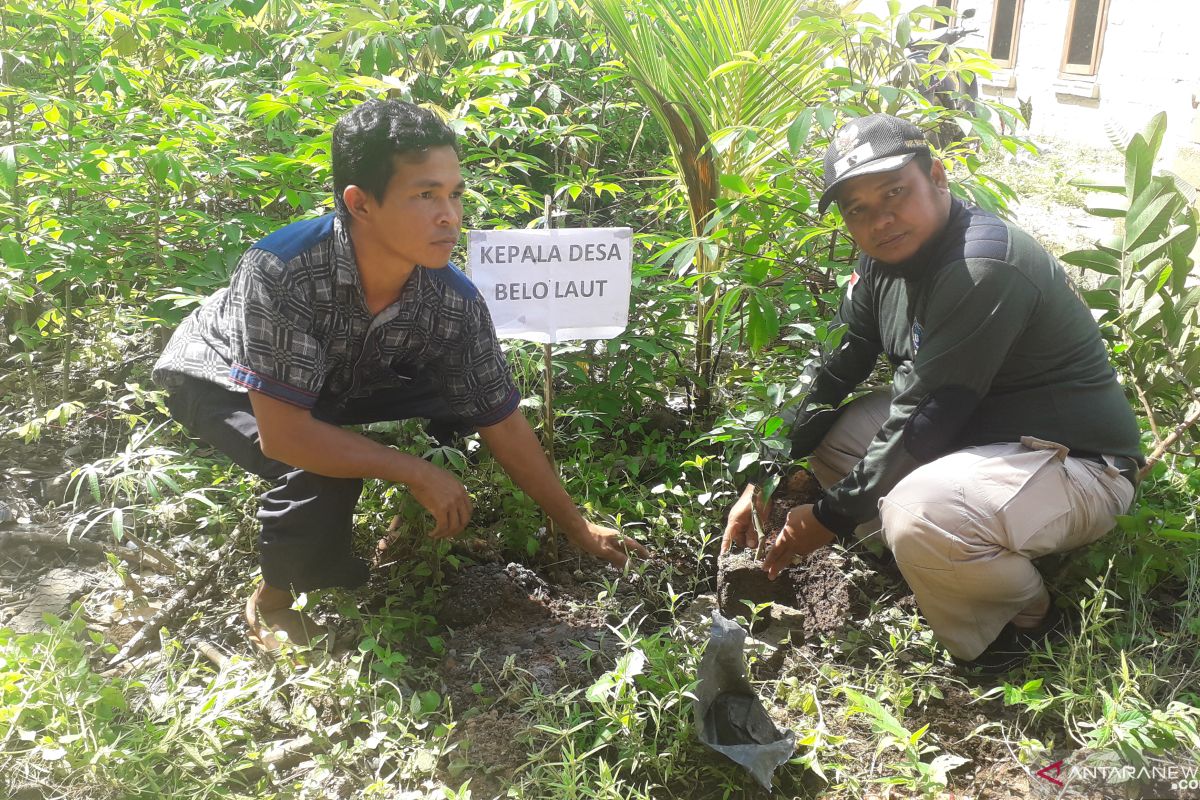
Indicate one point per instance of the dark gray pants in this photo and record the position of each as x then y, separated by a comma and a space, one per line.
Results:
307, 519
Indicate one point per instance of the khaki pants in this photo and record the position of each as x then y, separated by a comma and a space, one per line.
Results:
963, 528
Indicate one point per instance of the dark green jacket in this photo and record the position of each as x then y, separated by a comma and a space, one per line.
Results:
990, 342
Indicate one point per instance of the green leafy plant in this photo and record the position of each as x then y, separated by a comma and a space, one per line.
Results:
924, 777
1147, 295
724, 79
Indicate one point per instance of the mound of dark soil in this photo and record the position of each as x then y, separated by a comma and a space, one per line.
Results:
818, 587
797, 489
476, 594
742, 582
505, 617
507, 626
822, 590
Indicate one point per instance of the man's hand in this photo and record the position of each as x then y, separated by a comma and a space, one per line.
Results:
443, 496
801, 535
607, 544
516, 448
740, 528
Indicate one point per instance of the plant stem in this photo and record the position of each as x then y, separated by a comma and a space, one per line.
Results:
1162, 447
1137, 387
72, 95
548, 403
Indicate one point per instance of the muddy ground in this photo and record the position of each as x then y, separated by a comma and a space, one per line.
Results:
504, 623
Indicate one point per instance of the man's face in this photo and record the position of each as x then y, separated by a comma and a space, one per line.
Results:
420, 217
891, 215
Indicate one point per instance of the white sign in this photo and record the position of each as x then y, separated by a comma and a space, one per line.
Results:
554, 285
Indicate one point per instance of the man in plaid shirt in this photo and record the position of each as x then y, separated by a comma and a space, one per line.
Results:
352, 318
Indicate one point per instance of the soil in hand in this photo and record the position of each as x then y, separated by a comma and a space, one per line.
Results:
742, 583
818, 586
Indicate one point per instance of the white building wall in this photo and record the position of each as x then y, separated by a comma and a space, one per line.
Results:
1149, 62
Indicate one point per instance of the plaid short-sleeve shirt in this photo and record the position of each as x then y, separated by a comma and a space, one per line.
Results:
294, 325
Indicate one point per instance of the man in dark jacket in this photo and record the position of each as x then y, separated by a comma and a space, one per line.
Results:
1005, 434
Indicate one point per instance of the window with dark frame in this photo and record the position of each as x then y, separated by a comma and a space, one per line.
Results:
1086, 22
1006, 24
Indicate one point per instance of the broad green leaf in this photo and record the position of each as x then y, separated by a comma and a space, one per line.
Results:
825, 117
1153, 134
746, 461
797, 133
1149, 313
1191, 365
736, 183
1139, 166
1179, 536
1157, 247
1181, 250
1154, 275
125, 42
831, 340
1111, 244
763, 322
1102, 205
756, 271
1110, 184
1100, 299
430, 700
1150, 214
1095, 260
771, 426
330, 39
1190, 301
359, 16
892, 98
8, 165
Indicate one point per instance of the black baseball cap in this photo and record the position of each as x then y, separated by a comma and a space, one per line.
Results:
878, 143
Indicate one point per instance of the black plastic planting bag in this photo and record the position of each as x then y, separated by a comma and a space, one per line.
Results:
729, 716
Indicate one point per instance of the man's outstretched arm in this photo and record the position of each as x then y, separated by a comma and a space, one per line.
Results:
515, 446
844, 363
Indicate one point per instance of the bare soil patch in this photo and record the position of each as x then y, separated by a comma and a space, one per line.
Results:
506, 617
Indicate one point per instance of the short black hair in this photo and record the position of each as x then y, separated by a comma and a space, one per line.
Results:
924, 160
368, 138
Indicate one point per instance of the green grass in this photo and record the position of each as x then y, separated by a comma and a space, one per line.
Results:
1047, 176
